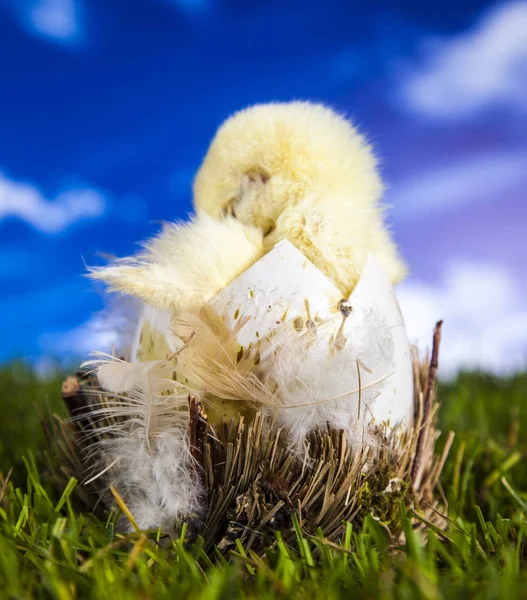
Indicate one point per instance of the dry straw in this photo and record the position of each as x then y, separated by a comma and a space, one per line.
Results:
253, 482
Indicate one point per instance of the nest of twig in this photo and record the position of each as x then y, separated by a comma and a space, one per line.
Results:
253, 482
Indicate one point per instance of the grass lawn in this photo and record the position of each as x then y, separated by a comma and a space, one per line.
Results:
50, 549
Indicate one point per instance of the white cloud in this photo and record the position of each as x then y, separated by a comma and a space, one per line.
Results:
60, 21
26, 202
55, 18
108, 329
469, 181
485, 318
486, 66
93, 335
66, 350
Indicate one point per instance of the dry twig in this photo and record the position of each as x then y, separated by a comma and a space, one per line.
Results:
427, 407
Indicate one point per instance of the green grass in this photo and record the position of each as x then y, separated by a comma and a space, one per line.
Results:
49, 550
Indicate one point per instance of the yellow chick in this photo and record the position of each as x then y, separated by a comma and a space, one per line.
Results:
301, 172
295, 171
186, 263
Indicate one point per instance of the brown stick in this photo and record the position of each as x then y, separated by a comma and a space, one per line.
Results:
76, 394
197, 429
427, 406
197, 432
76, 402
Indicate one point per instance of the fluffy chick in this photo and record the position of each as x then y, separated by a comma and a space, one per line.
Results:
295, 171
186, 264
301, 172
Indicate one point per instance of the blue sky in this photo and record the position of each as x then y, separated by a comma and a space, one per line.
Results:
107, 108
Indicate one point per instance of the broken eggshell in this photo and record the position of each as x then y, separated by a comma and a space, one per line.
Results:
284, 296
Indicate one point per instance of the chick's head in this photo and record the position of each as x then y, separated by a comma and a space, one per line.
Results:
271, 156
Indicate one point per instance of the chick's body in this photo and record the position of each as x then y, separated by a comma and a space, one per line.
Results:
296, 172
273, 172
301, 172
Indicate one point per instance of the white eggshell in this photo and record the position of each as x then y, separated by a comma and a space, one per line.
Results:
374, 294
284, 287
152, 338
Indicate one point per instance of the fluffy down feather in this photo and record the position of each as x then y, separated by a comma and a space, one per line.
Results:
186, 264
301, 172
295, 377
314, 388
158, 485
147, 455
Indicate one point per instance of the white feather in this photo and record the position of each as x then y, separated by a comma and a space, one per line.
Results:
119, 376
315, 388
158, 485
146, 456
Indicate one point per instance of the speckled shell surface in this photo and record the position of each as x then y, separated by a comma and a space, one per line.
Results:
284, 290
